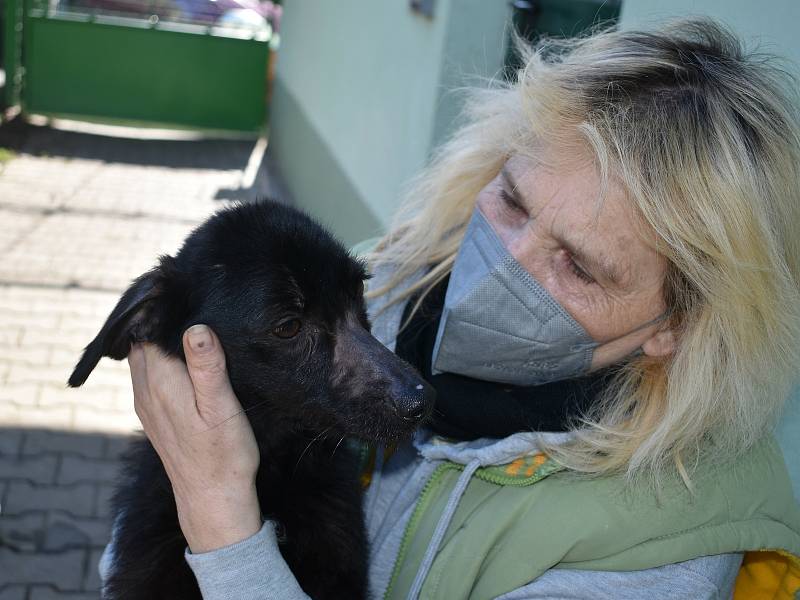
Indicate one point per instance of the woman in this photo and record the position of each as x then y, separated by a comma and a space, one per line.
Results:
600, 275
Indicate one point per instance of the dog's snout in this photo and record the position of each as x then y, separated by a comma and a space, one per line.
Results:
414, 402
393, 396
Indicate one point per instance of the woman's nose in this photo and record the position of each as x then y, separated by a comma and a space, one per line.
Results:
527, 248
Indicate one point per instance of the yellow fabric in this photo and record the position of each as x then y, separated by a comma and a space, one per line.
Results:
768, 575
529, 463
368, 462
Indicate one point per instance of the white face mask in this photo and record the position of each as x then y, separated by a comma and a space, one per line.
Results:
500, 324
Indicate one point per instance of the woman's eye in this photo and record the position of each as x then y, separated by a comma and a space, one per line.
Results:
579, 272
510, 202
288, 329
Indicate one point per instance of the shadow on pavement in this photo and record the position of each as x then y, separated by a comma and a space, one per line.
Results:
55, 488
193, 152
204, 153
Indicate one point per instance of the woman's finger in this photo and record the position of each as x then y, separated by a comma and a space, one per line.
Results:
138, 369
171, 390
160, 367
205, 362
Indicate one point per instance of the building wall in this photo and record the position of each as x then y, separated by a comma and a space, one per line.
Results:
361, 93
473, 53
772, 26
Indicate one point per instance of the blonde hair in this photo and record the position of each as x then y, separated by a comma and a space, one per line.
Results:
703, 139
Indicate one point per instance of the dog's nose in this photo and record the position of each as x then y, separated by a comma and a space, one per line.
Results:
415, 403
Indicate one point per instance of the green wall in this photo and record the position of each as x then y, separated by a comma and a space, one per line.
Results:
84, 69
363, 92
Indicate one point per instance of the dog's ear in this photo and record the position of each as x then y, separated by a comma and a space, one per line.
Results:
133, 319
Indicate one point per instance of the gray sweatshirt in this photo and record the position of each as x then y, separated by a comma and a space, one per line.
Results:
254, 569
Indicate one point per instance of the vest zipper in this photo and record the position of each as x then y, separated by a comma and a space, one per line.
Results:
413, 521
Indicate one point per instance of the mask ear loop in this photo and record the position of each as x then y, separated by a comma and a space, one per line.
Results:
639, 351
660, 318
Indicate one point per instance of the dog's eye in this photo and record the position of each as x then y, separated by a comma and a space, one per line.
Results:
288, 329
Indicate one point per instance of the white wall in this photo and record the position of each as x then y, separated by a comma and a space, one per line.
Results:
772, 24
473, 52
370, 76
365, 74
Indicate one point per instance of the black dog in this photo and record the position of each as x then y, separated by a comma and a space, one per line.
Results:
286, 301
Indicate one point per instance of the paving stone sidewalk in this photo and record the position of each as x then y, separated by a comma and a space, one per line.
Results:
80, 216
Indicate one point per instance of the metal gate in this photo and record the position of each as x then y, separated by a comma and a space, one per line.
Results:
135, 62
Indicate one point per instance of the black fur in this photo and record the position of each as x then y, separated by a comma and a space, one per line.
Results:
245, 272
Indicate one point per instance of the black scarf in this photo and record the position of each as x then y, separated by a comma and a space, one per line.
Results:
467, 408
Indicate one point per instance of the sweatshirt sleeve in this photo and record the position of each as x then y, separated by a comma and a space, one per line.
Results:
252, 569
704, 578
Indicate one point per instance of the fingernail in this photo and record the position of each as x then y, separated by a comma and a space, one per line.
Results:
200, 338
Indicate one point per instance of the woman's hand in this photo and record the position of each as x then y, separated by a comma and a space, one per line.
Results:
197, 426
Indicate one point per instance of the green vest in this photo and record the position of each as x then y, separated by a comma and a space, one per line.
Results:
516, 521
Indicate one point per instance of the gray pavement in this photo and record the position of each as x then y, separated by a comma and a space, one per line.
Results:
82, 214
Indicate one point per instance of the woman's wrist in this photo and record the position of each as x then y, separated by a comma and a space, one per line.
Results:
218, 517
